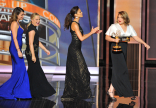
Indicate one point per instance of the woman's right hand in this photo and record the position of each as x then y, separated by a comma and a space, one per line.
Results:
20, 54
94, 30
34, 59
117, 40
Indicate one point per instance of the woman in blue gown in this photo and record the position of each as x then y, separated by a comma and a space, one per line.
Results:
18, 85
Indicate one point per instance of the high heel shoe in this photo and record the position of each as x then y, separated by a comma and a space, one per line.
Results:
18, 99
113, 98
110, 104
132, 104
133, 98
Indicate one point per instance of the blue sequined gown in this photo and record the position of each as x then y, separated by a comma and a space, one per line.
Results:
18, 85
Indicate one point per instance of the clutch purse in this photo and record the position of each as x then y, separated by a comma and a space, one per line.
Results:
123, 39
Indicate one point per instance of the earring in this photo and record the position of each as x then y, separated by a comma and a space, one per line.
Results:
76, 17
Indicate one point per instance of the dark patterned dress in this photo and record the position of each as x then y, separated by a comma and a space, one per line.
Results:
77, 81
80, 103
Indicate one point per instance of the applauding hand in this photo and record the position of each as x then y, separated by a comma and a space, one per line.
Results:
96, 30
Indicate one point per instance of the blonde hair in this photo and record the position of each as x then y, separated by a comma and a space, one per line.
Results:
125, 17
15, 14
32, 17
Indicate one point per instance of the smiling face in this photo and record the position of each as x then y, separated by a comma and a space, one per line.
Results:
120, 20
20, 16
36, 20
79, 13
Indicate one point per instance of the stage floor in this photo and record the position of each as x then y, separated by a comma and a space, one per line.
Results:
99, 85
49, 69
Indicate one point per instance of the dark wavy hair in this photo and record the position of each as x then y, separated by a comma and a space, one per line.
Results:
15, 13
69, 17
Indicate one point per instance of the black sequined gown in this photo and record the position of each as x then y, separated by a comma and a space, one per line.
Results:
80, 103
77, 81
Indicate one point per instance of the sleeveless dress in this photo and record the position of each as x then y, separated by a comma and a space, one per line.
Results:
18, 85
77, 81
39, 85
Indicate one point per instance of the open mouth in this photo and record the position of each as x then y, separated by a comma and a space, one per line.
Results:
37, 23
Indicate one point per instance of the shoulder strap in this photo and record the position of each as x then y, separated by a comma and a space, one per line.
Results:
75, 21
18, 24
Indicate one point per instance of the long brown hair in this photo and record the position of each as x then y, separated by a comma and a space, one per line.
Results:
15, 14
69, 17
32, 17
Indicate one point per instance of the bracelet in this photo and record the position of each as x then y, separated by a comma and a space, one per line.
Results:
18, 51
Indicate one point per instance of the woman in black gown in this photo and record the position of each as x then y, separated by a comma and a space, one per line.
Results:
77, 81
120, 79
39, 85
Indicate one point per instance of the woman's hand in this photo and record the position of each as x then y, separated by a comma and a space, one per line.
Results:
20, 54
34, 59
117, 40
138, 39
98, 31
47, 51
94, 30
147, 46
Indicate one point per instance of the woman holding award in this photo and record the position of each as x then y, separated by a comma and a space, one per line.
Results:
120, 79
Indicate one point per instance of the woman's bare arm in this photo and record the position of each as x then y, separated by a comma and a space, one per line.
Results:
31, 41
75, 28
14, 29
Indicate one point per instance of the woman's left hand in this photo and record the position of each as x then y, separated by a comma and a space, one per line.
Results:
147, 46
98, 31
48, 52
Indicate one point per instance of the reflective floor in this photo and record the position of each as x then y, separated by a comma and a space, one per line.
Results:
57, 81
143, 83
